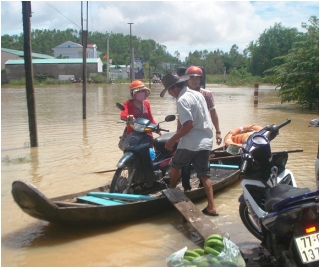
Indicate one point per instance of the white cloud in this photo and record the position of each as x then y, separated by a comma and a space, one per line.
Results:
183, 26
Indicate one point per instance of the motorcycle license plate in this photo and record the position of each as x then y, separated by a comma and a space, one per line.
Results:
308, 247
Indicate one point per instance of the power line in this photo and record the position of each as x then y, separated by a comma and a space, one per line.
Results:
62, 14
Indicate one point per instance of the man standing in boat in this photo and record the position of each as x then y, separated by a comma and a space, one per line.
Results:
194, 82
195, 135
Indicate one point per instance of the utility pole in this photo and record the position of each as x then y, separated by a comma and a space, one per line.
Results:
26, 14
149, 75
108, 78
131, 56
84, 62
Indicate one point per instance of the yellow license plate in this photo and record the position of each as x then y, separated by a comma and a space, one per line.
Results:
308, 247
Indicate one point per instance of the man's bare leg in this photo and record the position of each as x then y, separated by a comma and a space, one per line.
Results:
174, 177
211, 207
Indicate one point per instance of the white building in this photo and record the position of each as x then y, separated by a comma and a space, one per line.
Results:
71, 50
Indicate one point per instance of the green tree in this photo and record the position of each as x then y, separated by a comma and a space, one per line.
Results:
214, 63
298, 76
155, 62
234, 59
195, 58
274, 42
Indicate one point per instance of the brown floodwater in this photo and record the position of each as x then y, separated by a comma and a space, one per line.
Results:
71, 149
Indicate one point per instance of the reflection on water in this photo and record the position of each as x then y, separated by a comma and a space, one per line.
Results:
71, 149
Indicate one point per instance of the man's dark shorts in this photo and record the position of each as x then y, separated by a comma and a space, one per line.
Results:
199, 160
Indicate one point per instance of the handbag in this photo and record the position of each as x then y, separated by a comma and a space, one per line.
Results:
122, 138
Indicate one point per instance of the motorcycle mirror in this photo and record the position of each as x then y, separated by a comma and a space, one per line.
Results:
233, 149
120, 106
170, 118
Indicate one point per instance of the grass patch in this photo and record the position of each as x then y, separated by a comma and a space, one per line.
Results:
25, 159
214, 79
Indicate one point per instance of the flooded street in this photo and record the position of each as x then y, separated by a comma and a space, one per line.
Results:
71, 150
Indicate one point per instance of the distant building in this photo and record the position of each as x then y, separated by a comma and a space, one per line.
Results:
9, 54
72, 50
57, 68
119, 71
170, 66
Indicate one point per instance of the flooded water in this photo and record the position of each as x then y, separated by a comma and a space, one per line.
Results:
71, 149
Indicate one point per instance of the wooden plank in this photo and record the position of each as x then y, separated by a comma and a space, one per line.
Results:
69, 204
200, 222
99, 201
121, 196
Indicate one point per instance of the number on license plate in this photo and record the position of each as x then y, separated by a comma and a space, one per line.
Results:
308, 247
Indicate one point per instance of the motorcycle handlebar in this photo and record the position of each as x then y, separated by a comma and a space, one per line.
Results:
287, 121
165, 130
274, 129
157, 129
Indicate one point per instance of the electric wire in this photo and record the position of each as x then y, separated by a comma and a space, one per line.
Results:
61, 14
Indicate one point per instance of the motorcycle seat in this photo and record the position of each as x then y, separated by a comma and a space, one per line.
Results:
281, 192
159, 142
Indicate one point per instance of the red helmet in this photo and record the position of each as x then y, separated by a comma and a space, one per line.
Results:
136, 84
194, 71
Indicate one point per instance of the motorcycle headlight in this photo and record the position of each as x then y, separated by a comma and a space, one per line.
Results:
138, 127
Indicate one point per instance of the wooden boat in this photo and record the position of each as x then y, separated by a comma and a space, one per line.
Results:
99, 206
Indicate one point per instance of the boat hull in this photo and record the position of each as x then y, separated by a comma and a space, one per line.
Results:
65, 210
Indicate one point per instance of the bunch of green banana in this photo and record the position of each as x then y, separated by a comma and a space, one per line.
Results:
197, 257
213, 244
207, 257
190, 255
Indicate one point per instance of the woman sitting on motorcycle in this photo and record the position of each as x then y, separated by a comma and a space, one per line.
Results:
137, 106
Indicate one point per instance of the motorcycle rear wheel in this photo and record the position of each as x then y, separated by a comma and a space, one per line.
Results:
120, 181
248, 221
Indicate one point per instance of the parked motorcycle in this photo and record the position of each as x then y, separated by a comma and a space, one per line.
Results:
145, 161
315, 123
285, 218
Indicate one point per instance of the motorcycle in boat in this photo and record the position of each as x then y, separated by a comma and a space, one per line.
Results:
145, 160
282, 216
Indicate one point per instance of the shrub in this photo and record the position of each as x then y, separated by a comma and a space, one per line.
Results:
42, 77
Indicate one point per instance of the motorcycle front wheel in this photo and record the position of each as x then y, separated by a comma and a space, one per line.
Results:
122, 180
248, 221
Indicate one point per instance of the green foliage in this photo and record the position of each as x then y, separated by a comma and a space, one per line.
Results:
298, 76
17, 81
51, 81
274, 42
25, 159
99, 79
42, 77
47, 79
217, 62
214, 79
241, 77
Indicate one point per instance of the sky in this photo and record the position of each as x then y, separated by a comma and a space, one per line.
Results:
183, 26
